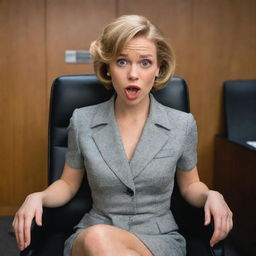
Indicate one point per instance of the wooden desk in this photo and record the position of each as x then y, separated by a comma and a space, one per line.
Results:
235, 178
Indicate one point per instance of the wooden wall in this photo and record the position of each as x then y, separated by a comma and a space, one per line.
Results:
214, 41
23, 101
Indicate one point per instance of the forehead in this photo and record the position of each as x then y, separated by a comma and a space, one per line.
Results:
140, 45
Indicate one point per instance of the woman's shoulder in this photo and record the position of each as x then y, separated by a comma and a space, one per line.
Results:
87, 110
180, 120
175, 113
86, 113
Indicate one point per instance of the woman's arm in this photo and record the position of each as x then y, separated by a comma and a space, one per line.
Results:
57, 194
191, 188
64, 189
198, 194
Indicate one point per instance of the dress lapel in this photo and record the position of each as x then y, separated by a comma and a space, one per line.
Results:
154, 136
107, 138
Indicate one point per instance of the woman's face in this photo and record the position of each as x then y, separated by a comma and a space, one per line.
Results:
133, 72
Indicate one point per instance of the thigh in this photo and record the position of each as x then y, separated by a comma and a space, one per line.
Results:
108, 239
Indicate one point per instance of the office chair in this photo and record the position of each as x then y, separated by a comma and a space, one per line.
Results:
68, 93
235, 161
240, 110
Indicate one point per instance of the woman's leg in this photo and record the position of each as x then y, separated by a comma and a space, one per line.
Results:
106, 240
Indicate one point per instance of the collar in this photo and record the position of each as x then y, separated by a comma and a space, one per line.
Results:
105, 113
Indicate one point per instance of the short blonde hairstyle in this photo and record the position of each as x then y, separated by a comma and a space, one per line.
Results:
113, 39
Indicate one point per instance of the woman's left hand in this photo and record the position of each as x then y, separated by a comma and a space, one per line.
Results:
216, 206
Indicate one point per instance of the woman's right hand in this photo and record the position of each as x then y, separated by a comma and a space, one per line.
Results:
30, 209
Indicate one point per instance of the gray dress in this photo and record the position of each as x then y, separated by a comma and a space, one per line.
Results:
135, 195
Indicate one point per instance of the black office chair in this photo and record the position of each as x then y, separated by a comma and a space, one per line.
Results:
235, 161
68, 93
240, 110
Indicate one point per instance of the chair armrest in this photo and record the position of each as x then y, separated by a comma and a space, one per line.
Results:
40, 234
53, 219
198, 235
218, 249
37, 235
190, 220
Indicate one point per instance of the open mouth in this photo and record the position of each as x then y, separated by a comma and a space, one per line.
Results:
132, 91
132, 88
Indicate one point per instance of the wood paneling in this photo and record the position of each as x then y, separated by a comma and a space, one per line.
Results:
214, 41
73, 25
34, 36
23, 102
235, 178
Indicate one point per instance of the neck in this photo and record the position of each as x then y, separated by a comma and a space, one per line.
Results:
135, 112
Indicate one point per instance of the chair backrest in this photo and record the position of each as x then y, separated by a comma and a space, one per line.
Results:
70, 92
76, 91
240, 109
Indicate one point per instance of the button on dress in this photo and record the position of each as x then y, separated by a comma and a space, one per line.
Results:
135, 195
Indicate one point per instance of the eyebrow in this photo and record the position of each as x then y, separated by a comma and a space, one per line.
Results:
141, 56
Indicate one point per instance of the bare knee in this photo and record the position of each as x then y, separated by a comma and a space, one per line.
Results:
104, 240
96, 233
94, 240
100, 241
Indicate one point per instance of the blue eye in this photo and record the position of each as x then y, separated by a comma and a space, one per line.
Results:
145, 63
121, 62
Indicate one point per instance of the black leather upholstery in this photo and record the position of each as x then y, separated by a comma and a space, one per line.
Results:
68, 93
240, 110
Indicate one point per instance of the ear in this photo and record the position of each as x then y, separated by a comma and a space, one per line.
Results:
107, 70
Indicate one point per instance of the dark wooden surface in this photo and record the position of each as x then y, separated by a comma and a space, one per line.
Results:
235, 178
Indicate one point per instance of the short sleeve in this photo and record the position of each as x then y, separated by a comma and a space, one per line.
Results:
188, 159
73, 156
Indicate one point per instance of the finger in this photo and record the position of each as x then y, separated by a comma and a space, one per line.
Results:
230, 221
217, 231
14, 227
20, 231
221, 230
228, 227
224, 227
207, 216
14, 224
38, 217
27, 231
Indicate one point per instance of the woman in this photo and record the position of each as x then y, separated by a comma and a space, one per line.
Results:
130, 148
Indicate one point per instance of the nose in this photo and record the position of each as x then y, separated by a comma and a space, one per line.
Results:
133, 73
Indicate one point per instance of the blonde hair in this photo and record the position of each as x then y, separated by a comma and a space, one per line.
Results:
113, 39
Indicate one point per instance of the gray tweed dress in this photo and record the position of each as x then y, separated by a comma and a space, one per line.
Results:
135, 195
